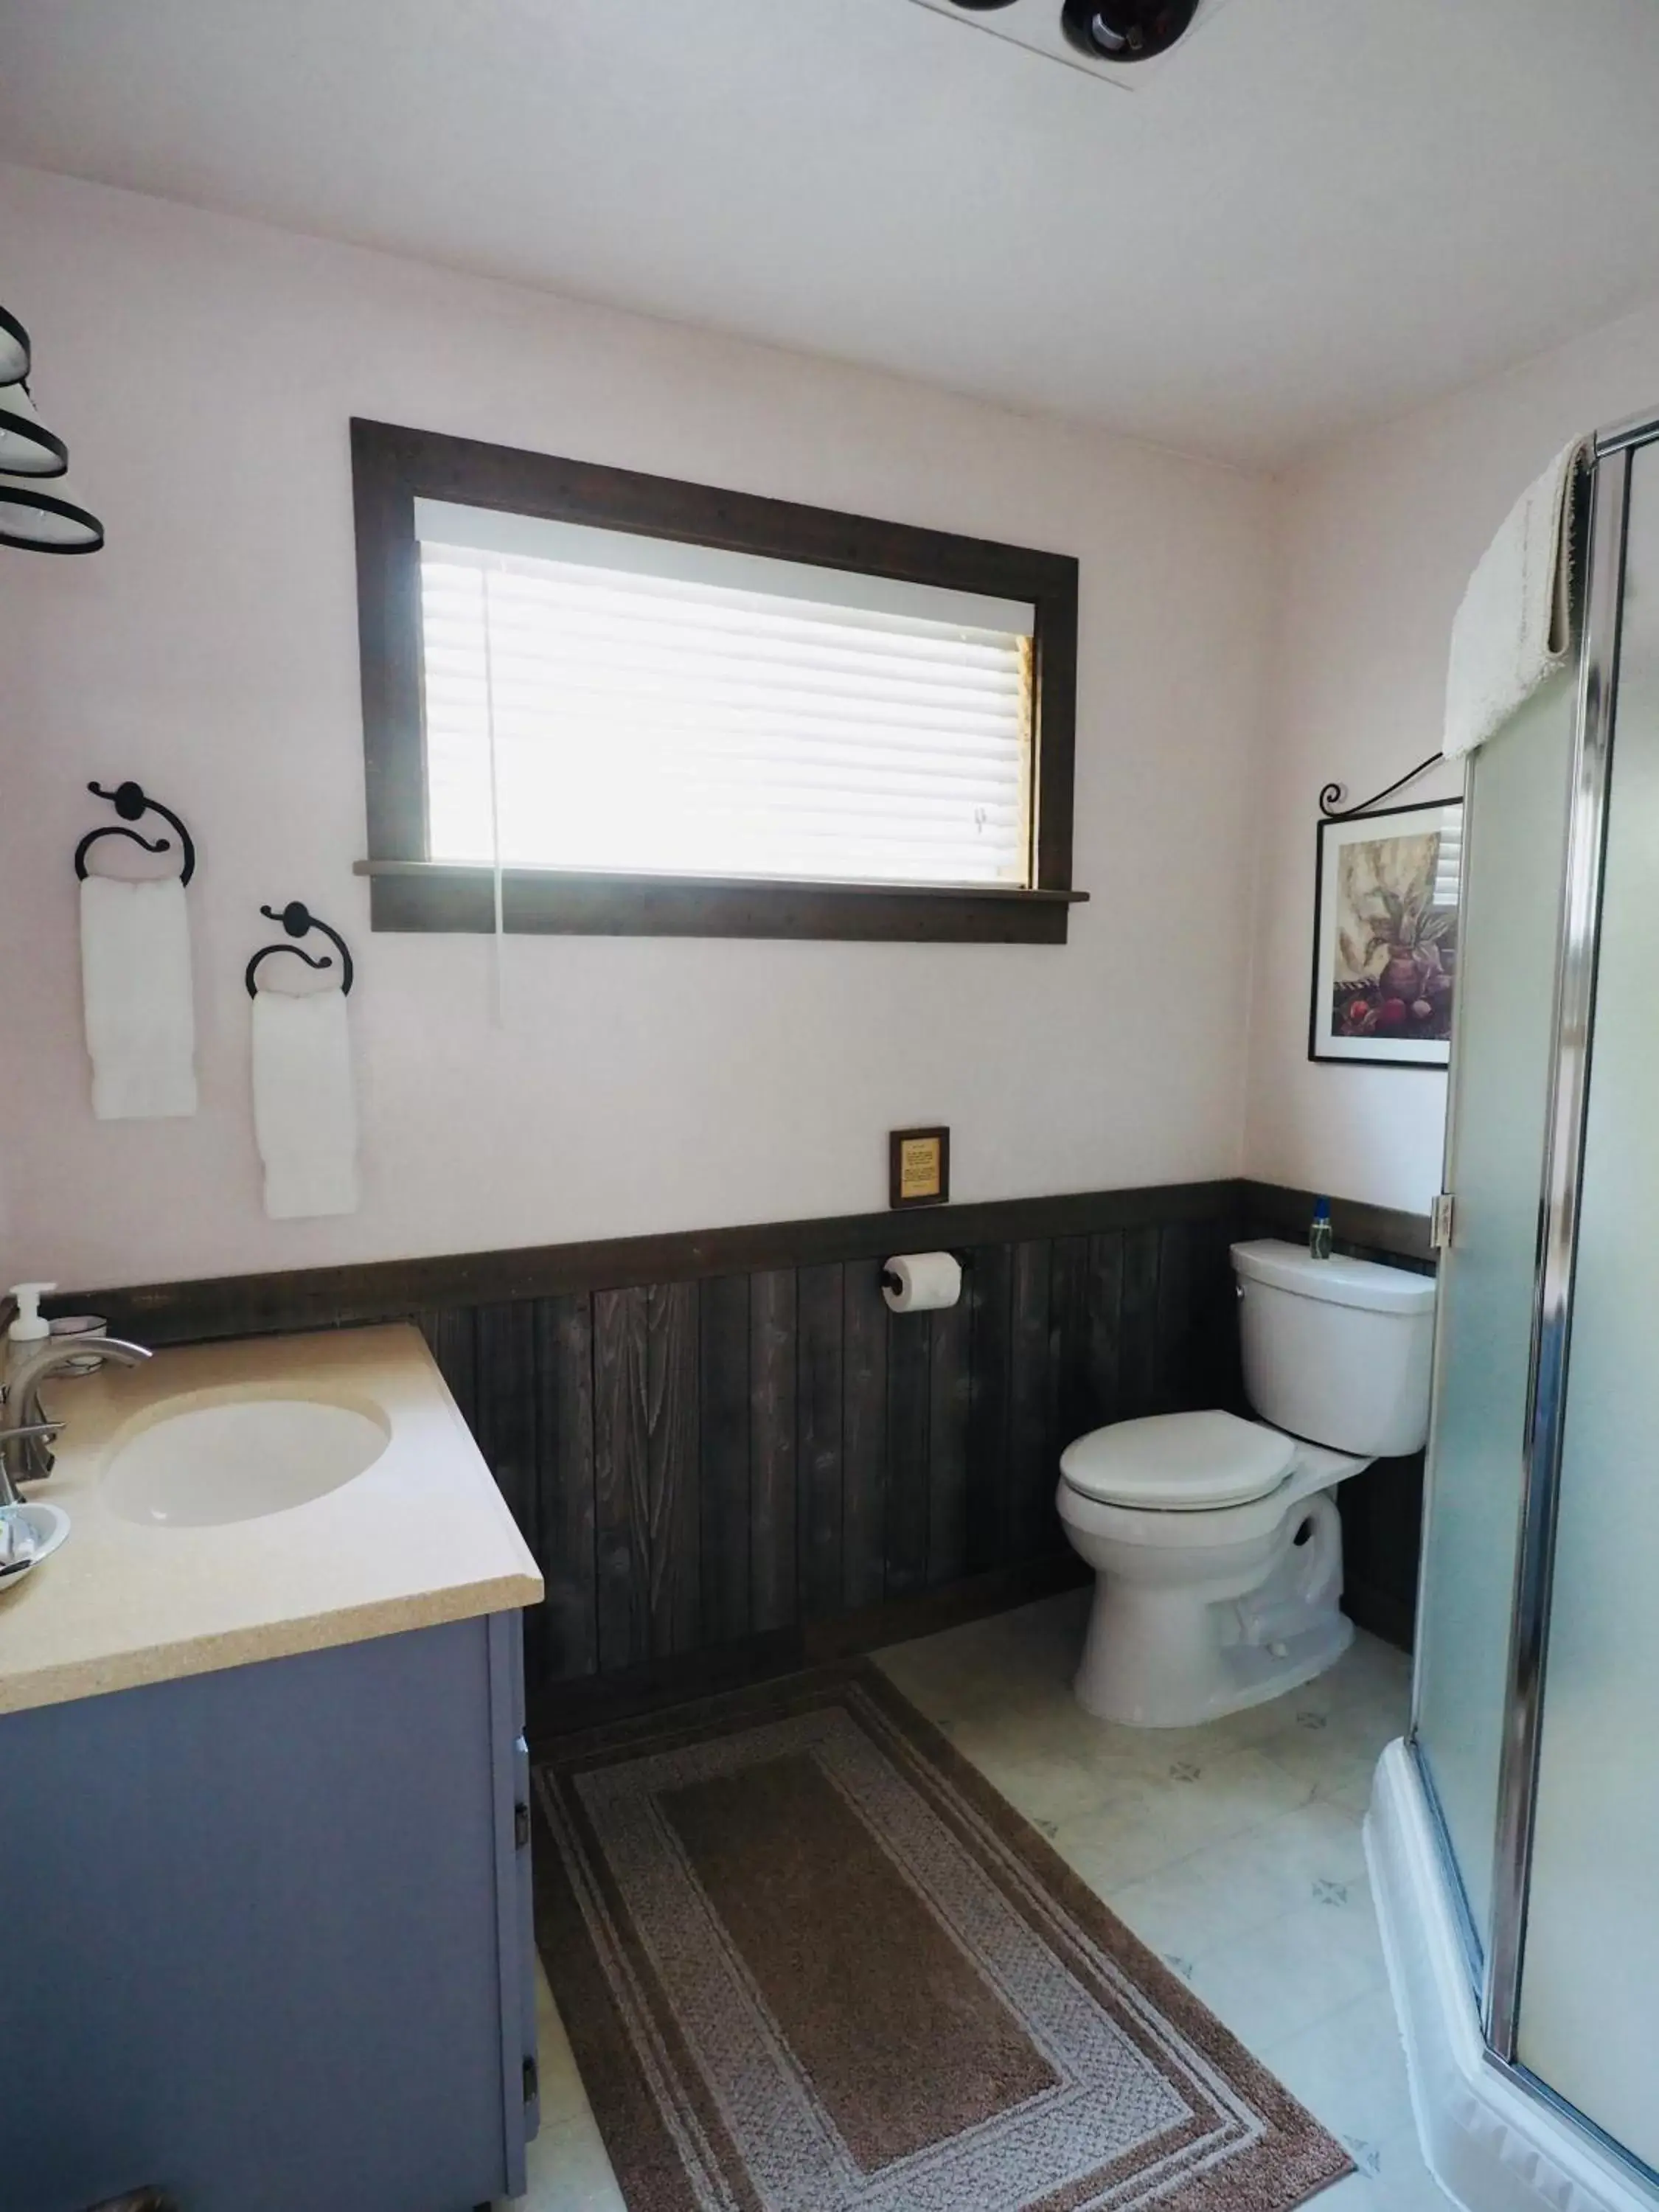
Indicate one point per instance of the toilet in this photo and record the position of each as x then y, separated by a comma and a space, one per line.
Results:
1215, 1540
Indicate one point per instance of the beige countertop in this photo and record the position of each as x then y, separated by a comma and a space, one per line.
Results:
422, 1535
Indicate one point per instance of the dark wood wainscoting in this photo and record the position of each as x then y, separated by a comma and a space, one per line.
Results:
751, 1459
729, 1458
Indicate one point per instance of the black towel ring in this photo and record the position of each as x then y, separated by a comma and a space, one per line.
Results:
131, 801
297, 918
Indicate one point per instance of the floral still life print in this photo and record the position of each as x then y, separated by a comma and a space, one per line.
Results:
1385, 947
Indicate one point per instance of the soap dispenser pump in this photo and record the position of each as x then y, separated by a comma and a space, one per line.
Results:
31, 1327
1319, 1229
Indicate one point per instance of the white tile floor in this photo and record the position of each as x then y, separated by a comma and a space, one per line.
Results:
1233, 1850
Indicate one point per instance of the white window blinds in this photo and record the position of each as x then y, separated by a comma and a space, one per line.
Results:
596, 701
1448, 860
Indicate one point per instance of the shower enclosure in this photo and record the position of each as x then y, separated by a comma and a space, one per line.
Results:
1534, 1747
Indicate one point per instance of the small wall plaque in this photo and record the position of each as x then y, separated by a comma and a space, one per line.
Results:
918, 1167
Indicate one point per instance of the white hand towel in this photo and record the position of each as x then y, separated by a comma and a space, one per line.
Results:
136, 988
1513, 628
305, 1109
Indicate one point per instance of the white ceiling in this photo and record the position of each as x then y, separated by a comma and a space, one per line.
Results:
1317, 213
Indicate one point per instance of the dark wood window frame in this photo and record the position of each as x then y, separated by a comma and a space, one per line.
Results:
393, 467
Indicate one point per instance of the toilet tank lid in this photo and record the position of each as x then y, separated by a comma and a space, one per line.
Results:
1179, 1462
1337, 1282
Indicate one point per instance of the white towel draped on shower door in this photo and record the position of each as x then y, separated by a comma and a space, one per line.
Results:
136, 988
304, 1106
1513, 628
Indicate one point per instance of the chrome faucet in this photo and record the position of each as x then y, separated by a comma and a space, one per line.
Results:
26, 1440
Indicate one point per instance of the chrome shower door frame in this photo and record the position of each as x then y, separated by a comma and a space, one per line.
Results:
1496, 1954
1558, 1244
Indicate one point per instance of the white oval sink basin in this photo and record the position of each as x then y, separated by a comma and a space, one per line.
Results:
226, 1455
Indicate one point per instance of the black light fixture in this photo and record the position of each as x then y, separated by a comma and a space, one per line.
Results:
35, 521
14, 349
1125, 30
28, 449
1117, 31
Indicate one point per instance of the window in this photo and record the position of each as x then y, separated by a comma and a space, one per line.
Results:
598, 700
645, 706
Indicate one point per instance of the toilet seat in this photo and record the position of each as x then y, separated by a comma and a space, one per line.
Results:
1179, 1462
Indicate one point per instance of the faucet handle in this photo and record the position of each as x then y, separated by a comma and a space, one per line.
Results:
28, 1432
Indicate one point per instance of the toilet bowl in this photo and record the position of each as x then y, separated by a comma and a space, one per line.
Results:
1202, 1608
1215, 1539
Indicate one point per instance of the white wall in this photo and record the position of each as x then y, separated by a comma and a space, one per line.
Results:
1378, 539
203, 371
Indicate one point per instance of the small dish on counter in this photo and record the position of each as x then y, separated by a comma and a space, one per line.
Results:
46, 1527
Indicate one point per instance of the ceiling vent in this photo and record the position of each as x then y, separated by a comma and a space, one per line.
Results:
1074, 32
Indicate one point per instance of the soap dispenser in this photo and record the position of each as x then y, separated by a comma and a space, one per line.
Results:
1319, 1229
31, 1328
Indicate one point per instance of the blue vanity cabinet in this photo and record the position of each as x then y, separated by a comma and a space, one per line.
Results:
266, 1935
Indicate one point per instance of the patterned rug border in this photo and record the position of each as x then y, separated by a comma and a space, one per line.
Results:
1298, 2160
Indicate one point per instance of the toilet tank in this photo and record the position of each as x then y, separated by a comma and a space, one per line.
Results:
1336, 1351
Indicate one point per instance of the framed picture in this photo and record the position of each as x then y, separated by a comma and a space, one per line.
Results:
1385, 936
918, 1167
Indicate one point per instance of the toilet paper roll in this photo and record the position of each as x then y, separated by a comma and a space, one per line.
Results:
920, 1282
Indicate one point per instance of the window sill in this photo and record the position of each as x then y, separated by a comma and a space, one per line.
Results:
430, 895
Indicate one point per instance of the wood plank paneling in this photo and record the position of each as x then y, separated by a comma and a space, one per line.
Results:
1218, 1376
909, 1341
1174, 1382
990, 1294
1137, 1372
772, 1476
950, 1386
672, 1485
1034, 1525
864, 1437
1382, 1511
504, 1420
504, 1338
1375, 1232
725, 1425
1070, 1402
557, 1708
391, 1290
564, 1377
820, 1443
621, 1513
729, 1459
1103, 1341
452, 1336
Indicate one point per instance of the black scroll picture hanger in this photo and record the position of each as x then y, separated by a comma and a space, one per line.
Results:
299, 921
1331, 799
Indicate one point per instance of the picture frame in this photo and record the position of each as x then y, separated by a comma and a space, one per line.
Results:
1388, 888
918, 1168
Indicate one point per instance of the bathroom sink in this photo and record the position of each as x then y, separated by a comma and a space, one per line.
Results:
235, 1456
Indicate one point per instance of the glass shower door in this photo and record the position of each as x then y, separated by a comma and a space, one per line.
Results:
1589, 2024
1515, 851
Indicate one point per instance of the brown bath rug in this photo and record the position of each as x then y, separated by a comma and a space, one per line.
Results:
810, 1961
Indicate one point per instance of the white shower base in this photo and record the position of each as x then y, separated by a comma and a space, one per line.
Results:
1491, 2146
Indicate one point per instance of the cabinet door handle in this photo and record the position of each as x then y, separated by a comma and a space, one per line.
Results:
520, 1825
